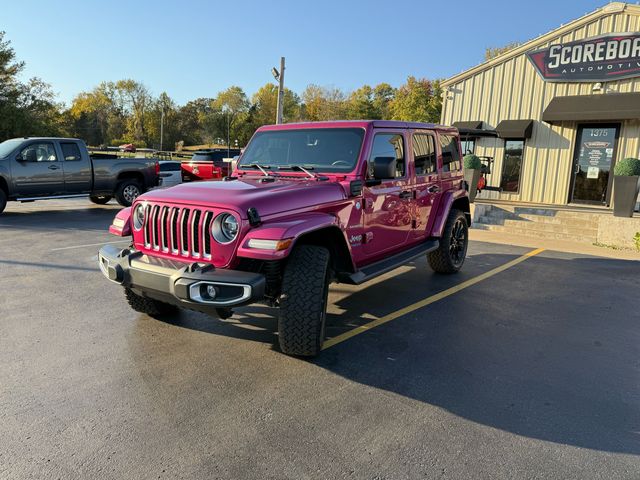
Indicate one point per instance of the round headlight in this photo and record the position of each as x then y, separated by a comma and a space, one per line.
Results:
224, 228
138, 216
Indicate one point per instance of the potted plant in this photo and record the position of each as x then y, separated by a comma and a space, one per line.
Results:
472, 170
626, 186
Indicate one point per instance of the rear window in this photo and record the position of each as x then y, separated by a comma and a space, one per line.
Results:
169, 166
450, 153
70, 151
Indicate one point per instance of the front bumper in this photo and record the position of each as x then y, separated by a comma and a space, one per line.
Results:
184, 284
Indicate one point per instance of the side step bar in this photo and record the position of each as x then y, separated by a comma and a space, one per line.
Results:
33, 199
383, 266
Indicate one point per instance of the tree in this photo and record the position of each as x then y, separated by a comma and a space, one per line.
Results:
493, 52
265, 102
418, 101
323, 103
383, 94
360, 105
230, 112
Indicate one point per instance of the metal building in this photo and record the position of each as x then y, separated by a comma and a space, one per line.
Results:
557, 112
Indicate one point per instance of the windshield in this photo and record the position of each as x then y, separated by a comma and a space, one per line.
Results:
319, 149
9, 146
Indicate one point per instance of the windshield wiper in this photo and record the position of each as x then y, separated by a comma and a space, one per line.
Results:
299, 168
259, 167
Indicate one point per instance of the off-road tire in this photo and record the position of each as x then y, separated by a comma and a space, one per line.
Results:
444, 260
3, 200
149, 306
123, 190
303, 302
100, 199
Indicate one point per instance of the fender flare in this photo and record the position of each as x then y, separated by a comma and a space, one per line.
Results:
293, 228
446, 204
121, 225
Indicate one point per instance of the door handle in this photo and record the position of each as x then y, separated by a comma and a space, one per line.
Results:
577, 169
53, 167
433, 189
405, 194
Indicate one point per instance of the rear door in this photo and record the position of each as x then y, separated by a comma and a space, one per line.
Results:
388, 207
37, 170
427, 182
77, 169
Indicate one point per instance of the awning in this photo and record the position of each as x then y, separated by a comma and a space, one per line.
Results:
474, 125
611, 106
475, 133
515, 128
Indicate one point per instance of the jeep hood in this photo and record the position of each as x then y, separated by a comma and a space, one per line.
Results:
268, 197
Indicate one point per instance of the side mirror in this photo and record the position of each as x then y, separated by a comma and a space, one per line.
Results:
384, 168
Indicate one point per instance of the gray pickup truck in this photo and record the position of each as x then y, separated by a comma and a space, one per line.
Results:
45, 168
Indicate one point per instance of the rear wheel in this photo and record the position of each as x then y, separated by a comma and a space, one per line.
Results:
3, 200
149, 306
450, 255
100, 199
127, 191
303, 302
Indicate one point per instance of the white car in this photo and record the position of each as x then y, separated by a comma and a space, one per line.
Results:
170, 173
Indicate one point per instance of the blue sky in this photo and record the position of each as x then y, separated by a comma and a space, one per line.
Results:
194, 48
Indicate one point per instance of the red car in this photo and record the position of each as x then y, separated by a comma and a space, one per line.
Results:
128, 148
308, 204
208, 164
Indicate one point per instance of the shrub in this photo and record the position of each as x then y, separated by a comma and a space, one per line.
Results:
636, 239
627, 167
472, 161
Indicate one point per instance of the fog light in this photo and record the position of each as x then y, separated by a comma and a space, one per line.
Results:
212, 291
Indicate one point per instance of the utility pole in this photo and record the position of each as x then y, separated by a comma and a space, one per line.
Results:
161, 127
279, 75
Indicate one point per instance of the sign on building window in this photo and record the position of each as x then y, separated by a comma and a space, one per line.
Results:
596, 59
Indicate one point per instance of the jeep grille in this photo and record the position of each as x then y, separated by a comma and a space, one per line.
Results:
179, 231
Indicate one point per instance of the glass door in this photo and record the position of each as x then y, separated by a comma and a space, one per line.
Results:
593, 159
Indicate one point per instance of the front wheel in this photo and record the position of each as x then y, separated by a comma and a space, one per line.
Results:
127, 191
100, 199
303, 302
450, 255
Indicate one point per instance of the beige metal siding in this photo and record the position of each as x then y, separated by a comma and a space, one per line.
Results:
512, 89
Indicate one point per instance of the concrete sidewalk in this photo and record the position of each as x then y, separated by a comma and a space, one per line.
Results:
548, 244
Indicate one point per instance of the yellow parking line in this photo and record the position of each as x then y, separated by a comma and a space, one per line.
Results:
428, 301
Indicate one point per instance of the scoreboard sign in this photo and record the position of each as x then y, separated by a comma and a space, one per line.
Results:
596, 59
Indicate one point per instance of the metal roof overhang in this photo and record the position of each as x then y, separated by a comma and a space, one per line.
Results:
475, 132
473, 125
515, 128
612, 106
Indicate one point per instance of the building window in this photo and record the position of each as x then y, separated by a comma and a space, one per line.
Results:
424, 154
512, 165
388, 145
468, 146
450, 153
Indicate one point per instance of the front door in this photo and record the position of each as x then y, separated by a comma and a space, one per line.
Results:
37, 171
593, 160
388, 207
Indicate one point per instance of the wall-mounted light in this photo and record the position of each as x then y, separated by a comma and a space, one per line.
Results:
597, 87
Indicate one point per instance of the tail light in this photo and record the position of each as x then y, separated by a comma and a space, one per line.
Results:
157, 168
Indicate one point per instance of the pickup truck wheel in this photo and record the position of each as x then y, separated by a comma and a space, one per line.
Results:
100, 199
127, 191
3, 200
303, 302
149, 306
450, 255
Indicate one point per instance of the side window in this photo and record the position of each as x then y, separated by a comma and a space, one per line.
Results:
388, 145
450, 153
424, 154
71, 152
38, 152
169, 167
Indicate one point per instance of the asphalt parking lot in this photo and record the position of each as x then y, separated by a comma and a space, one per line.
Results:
532, 371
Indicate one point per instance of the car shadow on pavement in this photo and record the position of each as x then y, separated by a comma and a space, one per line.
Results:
52, 219
547, 350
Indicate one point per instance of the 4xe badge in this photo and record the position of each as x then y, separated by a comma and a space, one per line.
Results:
596, 59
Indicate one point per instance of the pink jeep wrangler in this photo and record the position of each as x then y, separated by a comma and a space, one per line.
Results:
308, 204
